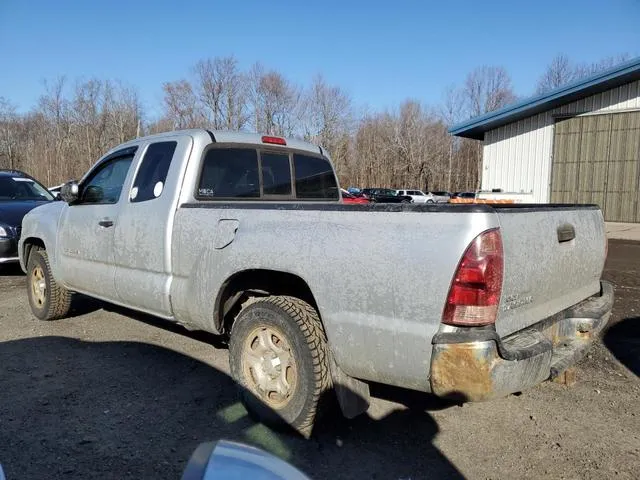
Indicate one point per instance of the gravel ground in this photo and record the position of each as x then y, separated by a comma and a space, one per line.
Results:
114, 394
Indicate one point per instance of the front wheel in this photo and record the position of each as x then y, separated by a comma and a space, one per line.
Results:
278, 355
48, 299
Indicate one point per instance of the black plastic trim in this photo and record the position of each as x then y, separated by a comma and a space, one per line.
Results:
541, 207
314, 205
213, 137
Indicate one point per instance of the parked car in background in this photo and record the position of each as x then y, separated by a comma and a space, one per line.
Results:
470, 195
440, 197
55, 190
385, 195
353, 199
418, 196
19, 193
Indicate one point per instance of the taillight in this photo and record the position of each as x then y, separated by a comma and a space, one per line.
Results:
474, 295
273, 140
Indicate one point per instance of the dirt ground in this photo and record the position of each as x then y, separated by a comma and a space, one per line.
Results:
113, 394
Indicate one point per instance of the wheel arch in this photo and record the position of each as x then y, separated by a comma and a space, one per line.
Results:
29, 244
257, 282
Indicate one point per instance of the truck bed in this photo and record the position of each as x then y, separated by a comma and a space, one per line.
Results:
381, 273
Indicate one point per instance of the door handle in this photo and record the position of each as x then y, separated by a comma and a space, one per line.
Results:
106, 223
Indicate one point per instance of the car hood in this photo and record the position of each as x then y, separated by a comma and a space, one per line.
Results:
12, 212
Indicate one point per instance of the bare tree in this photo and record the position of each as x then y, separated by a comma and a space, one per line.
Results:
55, 108
451, 112
406, 146
327, 111
9, 134
582, 70
181, 105
123, 113
275, 102
222, 89
486, 89
562, 71
69, 130
326, 114
559, 72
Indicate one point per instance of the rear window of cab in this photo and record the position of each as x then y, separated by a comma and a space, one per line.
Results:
249, 174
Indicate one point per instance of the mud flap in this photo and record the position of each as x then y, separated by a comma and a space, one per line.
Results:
353, 394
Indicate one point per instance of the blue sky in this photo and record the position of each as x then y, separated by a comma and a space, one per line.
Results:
380, 52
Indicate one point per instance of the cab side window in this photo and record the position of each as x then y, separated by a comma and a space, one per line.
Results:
106, 182
314, 178
152, 174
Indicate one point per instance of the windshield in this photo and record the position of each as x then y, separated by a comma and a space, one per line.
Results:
21, 188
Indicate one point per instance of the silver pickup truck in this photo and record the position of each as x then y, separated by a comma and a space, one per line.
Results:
245, 236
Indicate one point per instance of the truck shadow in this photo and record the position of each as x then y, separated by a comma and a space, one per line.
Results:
83, 305
11, 270
623, 341
77, 409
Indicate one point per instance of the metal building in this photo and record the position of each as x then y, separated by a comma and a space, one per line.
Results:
577, 144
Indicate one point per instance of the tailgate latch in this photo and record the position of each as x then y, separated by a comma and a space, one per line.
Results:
566, 233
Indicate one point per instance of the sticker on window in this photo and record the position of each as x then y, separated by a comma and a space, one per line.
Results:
134, 193
206, 192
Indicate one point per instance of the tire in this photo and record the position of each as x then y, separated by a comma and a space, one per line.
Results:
48, 300
430, 201
293, 326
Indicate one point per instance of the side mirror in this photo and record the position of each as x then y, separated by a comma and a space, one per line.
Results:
69, 192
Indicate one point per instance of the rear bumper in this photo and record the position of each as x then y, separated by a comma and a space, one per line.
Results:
476, 364
8, 250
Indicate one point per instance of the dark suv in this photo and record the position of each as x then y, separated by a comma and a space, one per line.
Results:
19, 193
385, 195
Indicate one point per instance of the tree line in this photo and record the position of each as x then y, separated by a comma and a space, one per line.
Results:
75, 122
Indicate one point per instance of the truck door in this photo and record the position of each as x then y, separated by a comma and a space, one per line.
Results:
144, 230
86, 234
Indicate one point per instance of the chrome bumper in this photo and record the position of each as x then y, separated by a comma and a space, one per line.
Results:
475, 364
8, 250
9, 260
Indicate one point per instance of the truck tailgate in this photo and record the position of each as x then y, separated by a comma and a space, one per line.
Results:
553, 259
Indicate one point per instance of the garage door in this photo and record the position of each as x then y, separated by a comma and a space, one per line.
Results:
596, 159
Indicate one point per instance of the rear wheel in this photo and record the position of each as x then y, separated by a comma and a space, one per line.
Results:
278, 356
48, 299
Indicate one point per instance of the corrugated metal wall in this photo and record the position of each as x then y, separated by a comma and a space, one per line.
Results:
517, 156
596, 159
